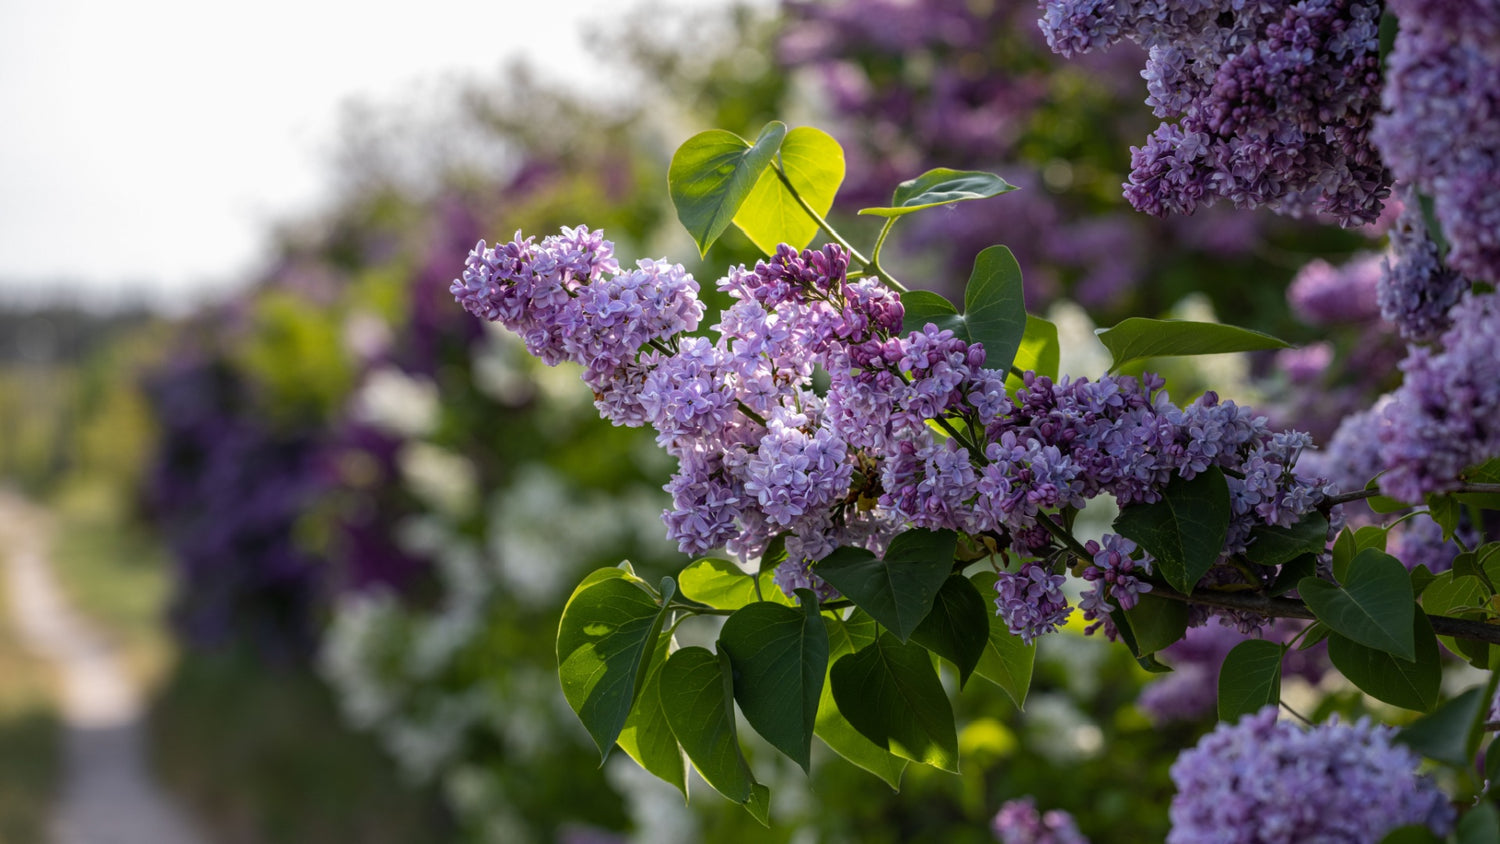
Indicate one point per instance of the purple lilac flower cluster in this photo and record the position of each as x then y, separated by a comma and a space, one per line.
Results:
1446, 415
912, 429
1261, 780
1019, 822
1322, 294
1264, 103
1441, 128
1416, 289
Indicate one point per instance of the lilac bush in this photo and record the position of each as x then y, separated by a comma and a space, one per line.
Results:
1262, 780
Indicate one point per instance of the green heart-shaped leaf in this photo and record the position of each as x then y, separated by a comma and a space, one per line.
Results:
814, 163
1185, 530
898, 590
1374, 607
713, 173
890, 692
780, 657
941, 186
1249, 679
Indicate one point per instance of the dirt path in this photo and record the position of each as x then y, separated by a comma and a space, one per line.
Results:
108, 795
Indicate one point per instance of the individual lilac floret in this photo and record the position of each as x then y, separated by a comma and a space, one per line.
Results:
1446, 415
1261, 781
1019, 822
1322, 294
1031, 601
1440, 130
1416, 289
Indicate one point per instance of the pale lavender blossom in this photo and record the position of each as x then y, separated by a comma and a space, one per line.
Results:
1262, 781
1019, 822
1031, 601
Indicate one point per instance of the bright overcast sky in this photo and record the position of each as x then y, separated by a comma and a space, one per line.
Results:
150, 143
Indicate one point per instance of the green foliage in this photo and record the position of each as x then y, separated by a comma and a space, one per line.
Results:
713, 173
994, 308
833, 728
1140, 339
1374, 605
941, 186
1185, 530
956, 629
812, 164
608, 630
1007, 661
780, 658
890, 692
1250, 678
722, 585
898, 589
1039, 352
698, 683
1452, 732
1410, 684
1156, 623
1273, 545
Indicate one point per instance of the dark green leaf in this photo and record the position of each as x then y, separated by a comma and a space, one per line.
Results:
775, 553
995, 306
923, 306
606, 633
1185, 530
1350, 542
780, 657
1139, 339
1421, 578
1446, 735
941, 187
1374, 606
898, 590
1411, 834
713, 173
890, 692
1249, 679
696, 695
1293, 571
647, 737
814, 163
832, 727
1445, 510
1411, 685
723, 585
1007, 661
1271, 545
1480, 825
958, 627
1156, 623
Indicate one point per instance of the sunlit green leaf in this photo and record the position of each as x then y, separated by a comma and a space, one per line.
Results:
713, 173
941, 187
1140, 339
814, 163
780, 658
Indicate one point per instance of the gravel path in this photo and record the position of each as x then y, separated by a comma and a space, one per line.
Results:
108, 795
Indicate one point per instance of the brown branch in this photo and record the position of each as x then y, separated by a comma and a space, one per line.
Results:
1362, 494
1266, 605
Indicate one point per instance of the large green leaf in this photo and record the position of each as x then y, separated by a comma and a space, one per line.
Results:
780, 657
941, 186
1411, 834
814, 163
958, 627
1272, 545
890, 692
994, 308
832, 727
1156, 623
1039, 352
647, 737
607, 631
1139, 339
725, 586
696, 695
1350, 542
1373, 607
1249, 679
1007, 660
1480, 825
713, 173
1405, 683
1449, 734
898, 590
1185, 530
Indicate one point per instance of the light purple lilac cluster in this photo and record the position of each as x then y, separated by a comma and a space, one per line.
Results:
1019, 822
1322, 294
1261, 781
911, 431
1446, 415
1416, 288
1441, 128
1263, 103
